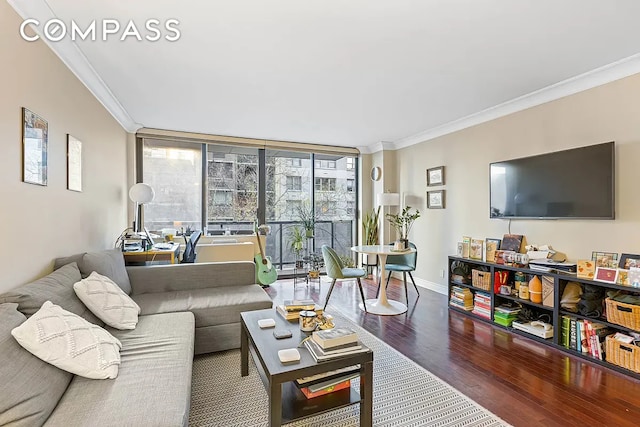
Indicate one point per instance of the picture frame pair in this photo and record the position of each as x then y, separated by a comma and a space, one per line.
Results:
435, 198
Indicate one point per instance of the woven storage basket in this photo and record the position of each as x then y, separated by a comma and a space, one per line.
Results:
622, 354
623, 314
481, 279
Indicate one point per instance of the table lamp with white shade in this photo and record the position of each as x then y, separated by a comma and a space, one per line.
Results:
140, 193
387, 199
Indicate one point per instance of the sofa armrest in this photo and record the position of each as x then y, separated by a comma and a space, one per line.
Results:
180, 277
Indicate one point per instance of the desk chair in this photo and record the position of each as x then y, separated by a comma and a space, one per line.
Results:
405, 264
189, 255
337, 271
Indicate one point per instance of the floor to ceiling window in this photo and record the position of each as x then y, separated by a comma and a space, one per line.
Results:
232, 189
174, 171
335, 202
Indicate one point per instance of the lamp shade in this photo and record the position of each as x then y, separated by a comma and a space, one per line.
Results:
388, 199
141, 193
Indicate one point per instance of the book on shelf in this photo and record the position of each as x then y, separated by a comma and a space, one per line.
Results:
313, 350
329, 338
294, 315
299, 305
573, 340
330, 389
566, 324
324, 376
332, 382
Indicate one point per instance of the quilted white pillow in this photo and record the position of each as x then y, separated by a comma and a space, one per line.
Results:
107, 301
69, 342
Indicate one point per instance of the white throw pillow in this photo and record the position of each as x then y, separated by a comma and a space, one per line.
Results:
107, 301
69, 342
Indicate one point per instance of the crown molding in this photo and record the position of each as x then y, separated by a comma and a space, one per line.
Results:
597, 77
71, 55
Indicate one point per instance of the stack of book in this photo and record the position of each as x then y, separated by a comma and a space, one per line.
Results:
461, 298
506, 313
327, 382
482, 305
290, 309
331, 343
584, 335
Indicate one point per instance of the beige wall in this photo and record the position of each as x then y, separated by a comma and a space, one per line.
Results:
606, 113
40, 223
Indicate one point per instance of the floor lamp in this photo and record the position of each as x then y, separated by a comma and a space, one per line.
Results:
387, 199
140, 193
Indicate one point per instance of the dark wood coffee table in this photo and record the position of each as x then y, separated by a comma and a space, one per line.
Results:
286, 402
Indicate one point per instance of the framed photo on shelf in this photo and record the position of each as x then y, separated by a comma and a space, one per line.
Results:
435, 176
605, 259
629, 260
35, 142
74, 164
511, 242
606, 274
435, 199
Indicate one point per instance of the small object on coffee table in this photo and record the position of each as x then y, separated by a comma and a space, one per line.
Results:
289, 355
266, 323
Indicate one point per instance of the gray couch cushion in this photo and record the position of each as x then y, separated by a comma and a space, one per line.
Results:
213, 306
77, 258
56, 287
31, 388
109, 263
153, 387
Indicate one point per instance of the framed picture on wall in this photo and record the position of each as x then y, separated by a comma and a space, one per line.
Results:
435, 176
35, 142
435, 199
74, 164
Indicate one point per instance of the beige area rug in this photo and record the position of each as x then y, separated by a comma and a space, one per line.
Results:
404, 394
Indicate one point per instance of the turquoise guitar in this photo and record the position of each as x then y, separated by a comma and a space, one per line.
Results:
265, 271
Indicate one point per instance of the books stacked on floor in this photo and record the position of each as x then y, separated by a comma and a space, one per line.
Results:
482, 305
327, 382
290, 309
331, 343
461, 298
584, 336
506, 313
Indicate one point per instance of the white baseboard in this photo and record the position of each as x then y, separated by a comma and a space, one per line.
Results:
436, 287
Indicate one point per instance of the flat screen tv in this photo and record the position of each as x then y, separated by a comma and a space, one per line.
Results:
570, 184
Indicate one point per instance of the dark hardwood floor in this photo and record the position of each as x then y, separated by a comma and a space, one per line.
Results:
520, 380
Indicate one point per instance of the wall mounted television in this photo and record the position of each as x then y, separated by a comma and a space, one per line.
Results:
570, 184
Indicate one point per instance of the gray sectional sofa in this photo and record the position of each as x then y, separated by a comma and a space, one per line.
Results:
185, 309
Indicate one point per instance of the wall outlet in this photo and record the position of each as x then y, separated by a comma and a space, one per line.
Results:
441, 273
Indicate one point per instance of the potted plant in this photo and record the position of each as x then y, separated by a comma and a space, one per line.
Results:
296, 244
403, 222
370, 226
307, 217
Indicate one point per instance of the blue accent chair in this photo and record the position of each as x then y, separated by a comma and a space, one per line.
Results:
405, 264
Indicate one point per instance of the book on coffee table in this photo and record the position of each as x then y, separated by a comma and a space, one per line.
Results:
294, 315
330, 338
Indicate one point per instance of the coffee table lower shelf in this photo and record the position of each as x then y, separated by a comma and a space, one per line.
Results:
296, 406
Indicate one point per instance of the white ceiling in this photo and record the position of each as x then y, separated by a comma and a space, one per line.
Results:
345, 72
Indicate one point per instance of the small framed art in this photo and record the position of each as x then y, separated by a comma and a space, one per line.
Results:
435, 176
629, 260
435, 199
605, 259
607, 275
74, 164
35, 142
